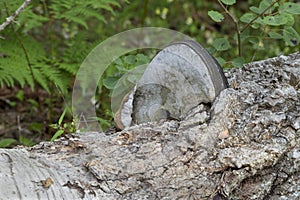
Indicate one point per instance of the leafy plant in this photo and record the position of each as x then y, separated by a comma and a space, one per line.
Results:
46, 43
272, 19
79, 12
26, 141
113, 75
121, 66
6, 142
62, 128
15, 69
27, 61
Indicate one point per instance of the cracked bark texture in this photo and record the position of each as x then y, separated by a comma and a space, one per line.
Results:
246, 145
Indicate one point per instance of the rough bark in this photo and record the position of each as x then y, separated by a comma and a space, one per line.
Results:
246, 145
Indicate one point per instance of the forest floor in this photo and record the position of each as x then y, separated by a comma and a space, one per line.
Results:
25, 115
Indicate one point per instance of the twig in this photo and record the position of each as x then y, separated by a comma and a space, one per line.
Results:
236, 23
13, 16
260, 15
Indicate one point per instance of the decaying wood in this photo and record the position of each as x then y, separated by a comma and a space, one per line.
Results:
246, 145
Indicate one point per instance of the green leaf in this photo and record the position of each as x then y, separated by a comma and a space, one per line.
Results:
276, 20
262, 6
56, 135
221, 61
255, 9
238, 62
6, 142
257, 43
221, 44
211, 50
6, 78
61, 118
36, 127
229, 2
31, 20
130, 59
33, 103
247, 17
26, 141
216, 16
290, 19
293, 8
104, 124
134, 78
244, 35
118, 61
121, 68
142, 59
69, 67
275, 35
255, 25
20, 95
290, 36
254, 40
110, 82
41, 79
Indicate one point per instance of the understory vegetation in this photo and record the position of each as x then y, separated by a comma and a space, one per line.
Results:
44, 46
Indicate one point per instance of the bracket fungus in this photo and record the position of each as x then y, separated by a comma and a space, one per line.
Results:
180, 77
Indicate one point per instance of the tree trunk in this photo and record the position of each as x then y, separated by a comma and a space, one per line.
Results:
246, 145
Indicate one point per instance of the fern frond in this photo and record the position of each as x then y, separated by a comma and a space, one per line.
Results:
10, 8
107, 2
29, 20
38, 69
14, 65
41, 79
89, 12
78, 48
79, 12
71, 68
71, 16
6, 79
56, 76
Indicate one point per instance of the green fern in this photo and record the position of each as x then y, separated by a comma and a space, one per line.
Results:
29, 19
47, 42
6, 78
8, 7
77, 49
45, 75
80, 11
45, 69
14, 68
14, 64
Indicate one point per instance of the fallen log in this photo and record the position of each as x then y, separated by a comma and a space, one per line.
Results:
246, 145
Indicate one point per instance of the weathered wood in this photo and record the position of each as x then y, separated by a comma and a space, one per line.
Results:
246, 146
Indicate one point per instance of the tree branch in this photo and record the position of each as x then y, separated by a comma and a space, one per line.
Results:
236, 23
258, 16
13, 16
